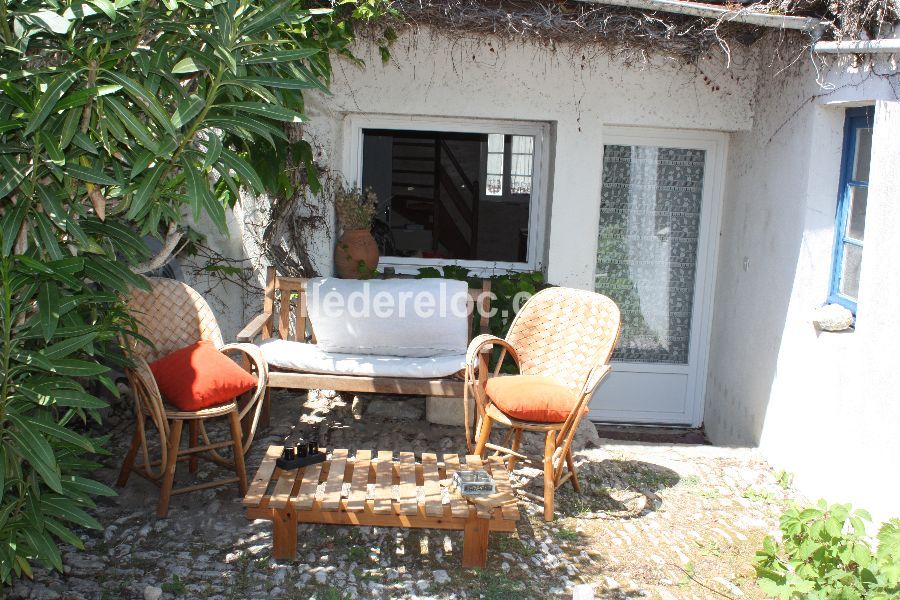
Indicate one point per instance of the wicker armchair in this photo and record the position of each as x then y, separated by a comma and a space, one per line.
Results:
562, 334
171, 316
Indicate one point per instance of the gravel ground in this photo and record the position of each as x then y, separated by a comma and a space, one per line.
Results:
655, 520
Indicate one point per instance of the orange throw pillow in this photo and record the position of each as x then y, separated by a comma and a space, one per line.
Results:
199, 376
531, 398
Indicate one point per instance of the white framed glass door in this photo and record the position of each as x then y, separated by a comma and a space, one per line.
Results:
656, 247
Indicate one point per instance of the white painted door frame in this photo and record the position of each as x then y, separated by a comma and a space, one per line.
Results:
716, 146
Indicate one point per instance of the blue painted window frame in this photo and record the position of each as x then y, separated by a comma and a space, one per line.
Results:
855, 119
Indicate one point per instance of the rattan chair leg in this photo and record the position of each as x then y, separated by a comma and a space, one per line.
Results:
234, 420
193, 434
570, 462
128, 463
516, 441
484, 432
165, 491
549, 475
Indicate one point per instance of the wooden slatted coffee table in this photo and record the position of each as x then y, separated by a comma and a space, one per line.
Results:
385, 489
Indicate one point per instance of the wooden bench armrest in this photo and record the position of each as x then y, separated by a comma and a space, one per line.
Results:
254, 327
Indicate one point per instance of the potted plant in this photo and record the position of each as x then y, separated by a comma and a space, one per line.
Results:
356, 252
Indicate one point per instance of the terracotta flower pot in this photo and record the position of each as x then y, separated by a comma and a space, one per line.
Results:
356, 250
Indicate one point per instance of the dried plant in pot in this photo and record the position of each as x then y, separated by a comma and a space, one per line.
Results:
356, 252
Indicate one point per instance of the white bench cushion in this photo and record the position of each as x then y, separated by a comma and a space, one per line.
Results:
310, 358
393, 317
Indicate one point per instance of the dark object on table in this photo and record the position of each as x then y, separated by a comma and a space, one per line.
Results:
301, 455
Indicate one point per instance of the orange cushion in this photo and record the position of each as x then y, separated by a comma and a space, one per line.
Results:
199, 376
531, 398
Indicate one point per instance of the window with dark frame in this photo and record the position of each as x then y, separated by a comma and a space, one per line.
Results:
450, 195
850, 219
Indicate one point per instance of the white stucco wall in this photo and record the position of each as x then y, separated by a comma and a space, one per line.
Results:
824, 406
577, 94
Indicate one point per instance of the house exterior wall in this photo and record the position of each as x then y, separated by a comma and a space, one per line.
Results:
823, 406
577, 95
575, 91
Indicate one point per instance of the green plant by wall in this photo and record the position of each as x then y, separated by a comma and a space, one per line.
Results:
826, 554
115, 115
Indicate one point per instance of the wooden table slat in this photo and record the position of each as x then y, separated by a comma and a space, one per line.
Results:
281, 494
458, 505
356, 502
257, 488
306, 495
409, 504
384, 477
331, 495
510, 512
432, 485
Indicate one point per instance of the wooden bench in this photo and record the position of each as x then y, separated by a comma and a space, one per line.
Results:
384, 489
284, 314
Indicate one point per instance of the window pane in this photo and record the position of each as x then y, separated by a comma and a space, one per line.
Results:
495, 164
494, 185
850, 268
443, 196
520, 184
521, 164
650, 207
863, 155
522, 144
495, 142
856, 214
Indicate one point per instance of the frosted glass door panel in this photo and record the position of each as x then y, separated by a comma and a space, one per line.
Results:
647, 250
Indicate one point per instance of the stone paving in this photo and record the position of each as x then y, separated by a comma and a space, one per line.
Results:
653, 521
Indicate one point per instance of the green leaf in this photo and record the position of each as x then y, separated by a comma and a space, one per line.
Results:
107, 7
280, 56
66, 509
144, 193
12, 176
48, 308
213, 149
46, 235
66, 347
11, 224
53, 150
44, 547
88, 486
144, 98
90, 174
273, 82
77, 368
83, 96
59, 432
73, 398
48, 100
271, 111
245, 172
138, 129
49, 20
36, 451
201, 196
186, 65
189, 108
62, 532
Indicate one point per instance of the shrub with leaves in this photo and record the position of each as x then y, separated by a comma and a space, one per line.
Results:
826, 554
116, 118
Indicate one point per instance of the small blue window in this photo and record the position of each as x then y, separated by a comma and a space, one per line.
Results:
850, 221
